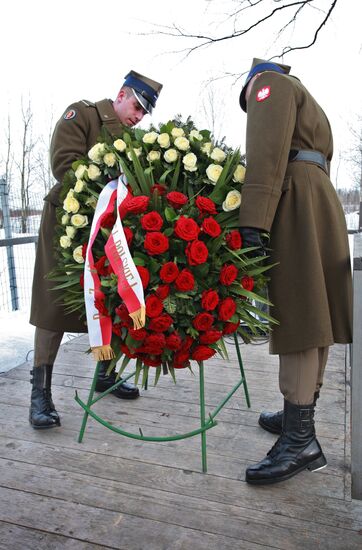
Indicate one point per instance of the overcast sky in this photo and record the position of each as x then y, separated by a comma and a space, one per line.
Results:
58, 52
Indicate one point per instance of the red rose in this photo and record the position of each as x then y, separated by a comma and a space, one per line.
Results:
162, 291
185, 281
154, 306
211, 227
229, 328
227, 309
137, 205
228, 274
196, 252
186, 228
100, 305
154, 344
81, 280
123, 314
84, 250
169, 272
158, 188
181, 357
128, 234
137, 334
209, 300
117, 328
210, 336
176, 199
144, 274
181, 365
247, 282
125, 349
156, 243
152, 221
187, 343
173, 341
151, 361
201, 353
161, 323
233, 240
100, 266
205, 205
203, 321
108, 220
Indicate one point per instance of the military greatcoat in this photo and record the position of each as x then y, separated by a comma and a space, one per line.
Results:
311, 287
75, 133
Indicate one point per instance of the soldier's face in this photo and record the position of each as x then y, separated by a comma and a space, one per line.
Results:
128, 109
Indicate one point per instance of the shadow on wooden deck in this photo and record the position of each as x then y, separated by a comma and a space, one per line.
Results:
115, 492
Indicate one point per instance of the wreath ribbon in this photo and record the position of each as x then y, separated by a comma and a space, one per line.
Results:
129, 284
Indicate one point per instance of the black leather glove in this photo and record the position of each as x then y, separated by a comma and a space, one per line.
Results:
252, 236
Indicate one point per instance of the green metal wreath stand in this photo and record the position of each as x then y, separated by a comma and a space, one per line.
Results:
205, 424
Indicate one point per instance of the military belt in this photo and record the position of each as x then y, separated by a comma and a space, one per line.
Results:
314, 157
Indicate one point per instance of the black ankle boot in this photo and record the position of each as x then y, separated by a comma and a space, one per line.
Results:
104, 382
42, 411
296, 449
272, 421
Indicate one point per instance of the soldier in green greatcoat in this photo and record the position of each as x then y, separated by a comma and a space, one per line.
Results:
288, 194
74, 135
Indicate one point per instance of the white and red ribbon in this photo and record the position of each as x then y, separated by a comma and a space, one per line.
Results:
129, 285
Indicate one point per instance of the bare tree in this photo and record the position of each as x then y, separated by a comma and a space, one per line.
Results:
6, 162
355, 160
246, 16
42, 160
213, 108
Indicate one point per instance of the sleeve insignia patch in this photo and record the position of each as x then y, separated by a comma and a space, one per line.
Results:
263, 93
70, 114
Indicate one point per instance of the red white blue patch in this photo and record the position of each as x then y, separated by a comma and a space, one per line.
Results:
263, 93
70, 114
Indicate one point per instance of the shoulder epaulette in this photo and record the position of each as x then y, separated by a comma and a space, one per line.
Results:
88, 103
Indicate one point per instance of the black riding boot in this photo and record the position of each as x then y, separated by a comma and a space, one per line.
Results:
272, 421
104, 381
296, 449
42, 411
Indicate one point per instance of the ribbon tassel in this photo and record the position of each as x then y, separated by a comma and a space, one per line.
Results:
139, 318
103, 353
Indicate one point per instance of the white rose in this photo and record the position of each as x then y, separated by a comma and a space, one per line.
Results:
137, 152
81, 171
182, 143
65, 219
194, 134
77, 254
65, 241
70, 203
232, 201
206, 148
78, 220
153, 155
218, 155
190, 162
120, 145
93, 172
109, 159
170, 155
164, 140
150, 137
213, 172
70, 231
177, 132
96, 152
239, 174
79, 186
92, 202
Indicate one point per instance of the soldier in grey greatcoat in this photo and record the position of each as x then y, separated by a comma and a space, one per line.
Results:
74, 135
288, 194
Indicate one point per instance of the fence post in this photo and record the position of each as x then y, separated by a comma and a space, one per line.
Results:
4, 198
356, 373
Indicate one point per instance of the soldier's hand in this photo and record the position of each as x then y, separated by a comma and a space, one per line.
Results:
253, 237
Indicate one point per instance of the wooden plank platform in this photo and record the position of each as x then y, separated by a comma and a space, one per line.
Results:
115, 492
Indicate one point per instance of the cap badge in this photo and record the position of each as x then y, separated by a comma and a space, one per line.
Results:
263, 93
70, 114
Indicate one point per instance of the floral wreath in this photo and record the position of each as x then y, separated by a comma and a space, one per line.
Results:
180, 222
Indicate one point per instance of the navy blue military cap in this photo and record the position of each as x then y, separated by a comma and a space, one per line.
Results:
145, 90
259, 66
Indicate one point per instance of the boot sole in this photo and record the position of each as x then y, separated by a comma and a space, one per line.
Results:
44, 427
317, 464
267, 428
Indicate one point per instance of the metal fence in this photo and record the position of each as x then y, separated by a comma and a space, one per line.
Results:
18, 237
